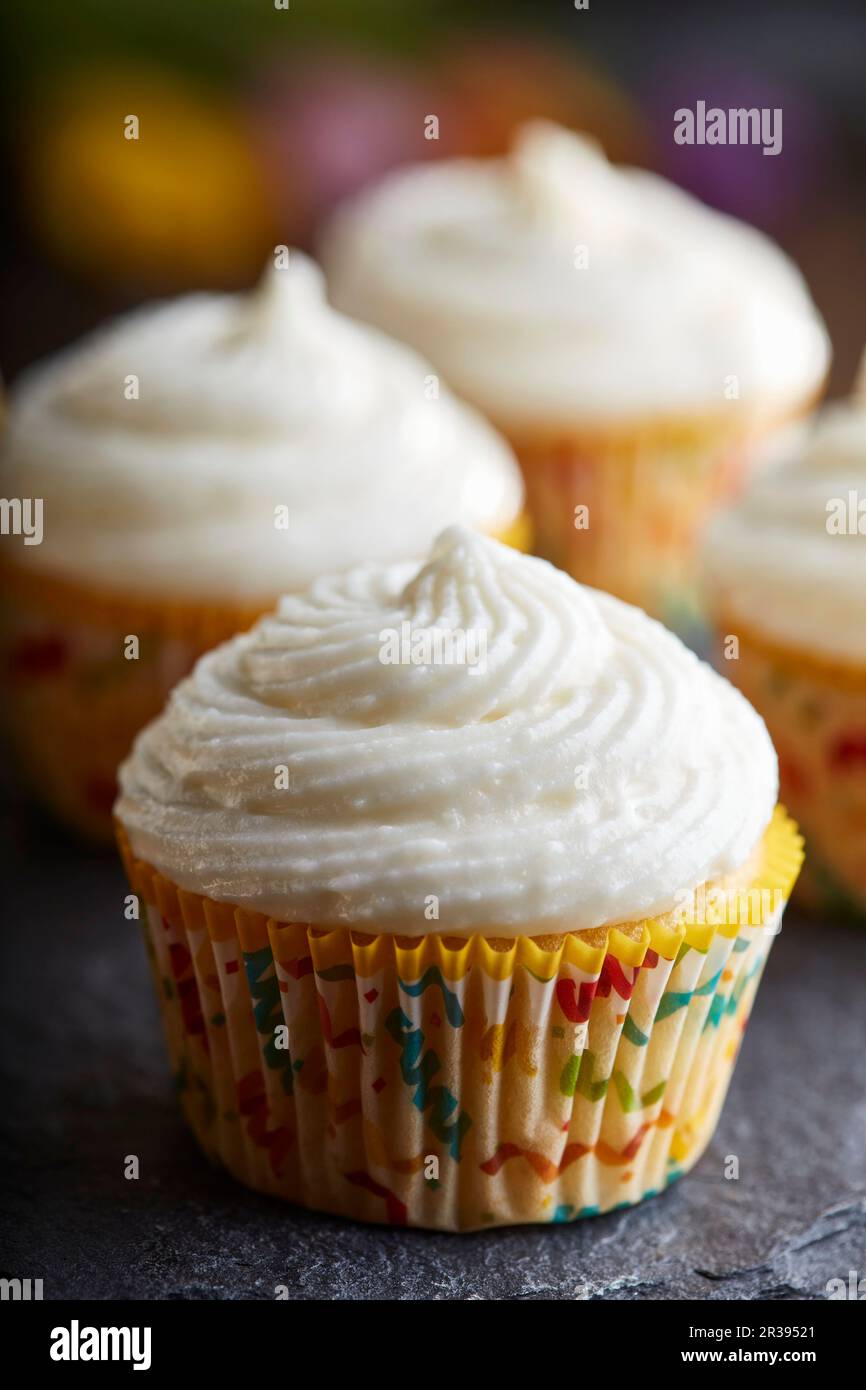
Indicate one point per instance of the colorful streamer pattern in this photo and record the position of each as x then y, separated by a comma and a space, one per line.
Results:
816, 714
452, 1088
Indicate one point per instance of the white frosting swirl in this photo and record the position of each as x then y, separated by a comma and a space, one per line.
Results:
474, 264
589, 770
245, 403
790, 560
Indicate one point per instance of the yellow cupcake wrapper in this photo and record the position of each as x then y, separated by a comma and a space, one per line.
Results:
649, 485
815, 710
818, 666
92, 606
74, 702
454, 1084
646, 503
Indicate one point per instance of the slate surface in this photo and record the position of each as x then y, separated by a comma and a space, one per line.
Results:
85, 1082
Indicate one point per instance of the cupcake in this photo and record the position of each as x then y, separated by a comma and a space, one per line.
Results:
786, 571
632, 344
194, 461
457, 885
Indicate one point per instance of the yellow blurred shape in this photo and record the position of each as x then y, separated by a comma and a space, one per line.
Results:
183, 203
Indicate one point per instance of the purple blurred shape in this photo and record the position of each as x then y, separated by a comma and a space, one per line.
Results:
330, 126
739, 179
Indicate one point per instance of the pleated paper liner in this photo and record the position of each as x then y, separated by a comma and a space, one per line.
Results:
649, 489
458, 1084
815, 709
74, 702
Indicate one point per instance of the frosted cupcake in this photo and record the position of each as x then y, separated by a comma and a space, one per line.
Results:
457, 884
195, 460
787, 577
631, 343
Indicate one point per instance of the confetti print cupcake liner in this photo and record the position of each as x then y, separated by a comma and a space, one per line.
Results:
648, 494
457, 1084
815, 710
73, 702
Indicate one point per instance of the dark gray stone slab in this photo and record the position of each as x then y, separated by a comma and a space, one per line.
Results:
85, 1082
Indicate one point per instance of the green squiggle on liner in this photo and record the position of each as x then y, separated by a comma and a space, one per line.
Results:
628, 1098
568, 1075
577, 1075
268, 1012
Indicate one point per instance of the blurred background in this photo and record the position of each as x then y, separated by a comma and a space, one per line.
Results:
255, 120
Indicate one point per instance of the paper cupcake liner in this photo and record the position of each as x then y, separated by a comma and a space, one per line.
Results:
649, 492
457, 1084
73, 702
815, 710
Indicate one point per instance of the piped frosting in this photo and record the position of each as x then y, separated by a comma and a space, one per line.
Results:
565, 762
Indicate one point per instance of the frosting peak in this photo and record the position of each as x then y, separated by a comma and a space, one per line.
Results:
288, 302
483, 731
163, 444
552, 288
567, 183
